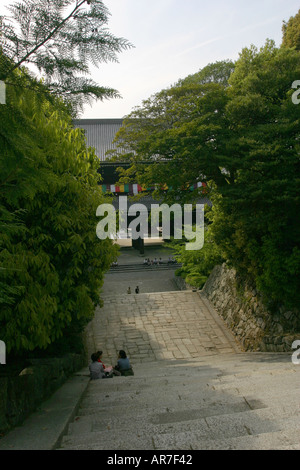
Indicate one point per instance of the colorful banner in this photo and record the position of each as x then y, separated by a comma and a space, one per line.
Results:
137, 188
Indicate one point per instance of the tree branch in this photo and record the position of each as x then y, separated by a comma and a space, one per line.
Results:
50, 35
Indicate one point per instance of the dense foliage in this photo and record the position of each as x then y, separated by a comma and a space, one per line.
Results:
52, 263
259, 227
198, 264
240, 134
291, 32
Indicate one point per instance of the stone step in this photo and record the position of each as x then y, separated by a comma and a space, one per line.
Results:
277, 440
185, 396
122, 268
210, 364
188, 399
220, 398
182, 400
98, 441
289, 447
169, 434
183, 391
214, 380
120, 271
203, 408
154, 417
221, 405
209, 406
169, 295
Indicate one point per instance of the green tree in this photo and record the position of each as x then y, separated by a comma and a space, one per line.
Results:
198, 264
257, 226
243, 137
52, 263
58, 40
182, 132
291, 32
217, 72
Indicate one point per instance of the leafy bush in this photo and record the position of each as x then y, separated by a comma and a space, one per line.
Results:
52, 263
198, 264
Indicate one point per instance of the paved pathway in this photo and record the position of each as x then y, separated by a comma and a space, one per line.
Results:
157, 326
161, 322
231, 401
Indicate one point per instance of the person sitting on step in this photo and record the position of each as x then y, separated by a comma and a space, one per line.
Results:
123, 365
96, 368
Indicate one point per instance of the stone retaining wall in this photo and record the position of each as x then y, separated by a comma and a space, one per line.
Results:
182, 285
242, 309
21, 395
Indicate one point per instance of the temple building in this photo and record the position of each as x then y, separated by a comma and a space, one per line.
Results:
100, 134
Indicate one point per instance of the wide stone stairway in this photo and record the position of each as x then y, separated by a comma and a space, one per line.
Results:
193, 388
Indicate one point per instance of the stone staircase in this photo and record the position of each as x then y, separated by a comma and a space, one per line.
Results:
224, 401
193, 386
134, 267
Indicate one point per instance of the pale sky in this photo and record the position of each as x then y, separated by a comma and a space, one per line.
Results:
174, 39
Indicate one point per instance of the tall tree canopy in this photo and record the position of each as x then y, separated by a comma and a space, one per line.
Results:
243, 140
259, 230
59, 39
180, 130
291, 32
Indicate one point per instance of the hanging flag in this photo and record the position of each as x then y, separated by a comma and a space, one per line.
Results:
137, 188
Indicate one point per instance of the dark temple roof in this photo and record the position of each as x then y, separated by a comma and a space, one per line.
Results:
100, 133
